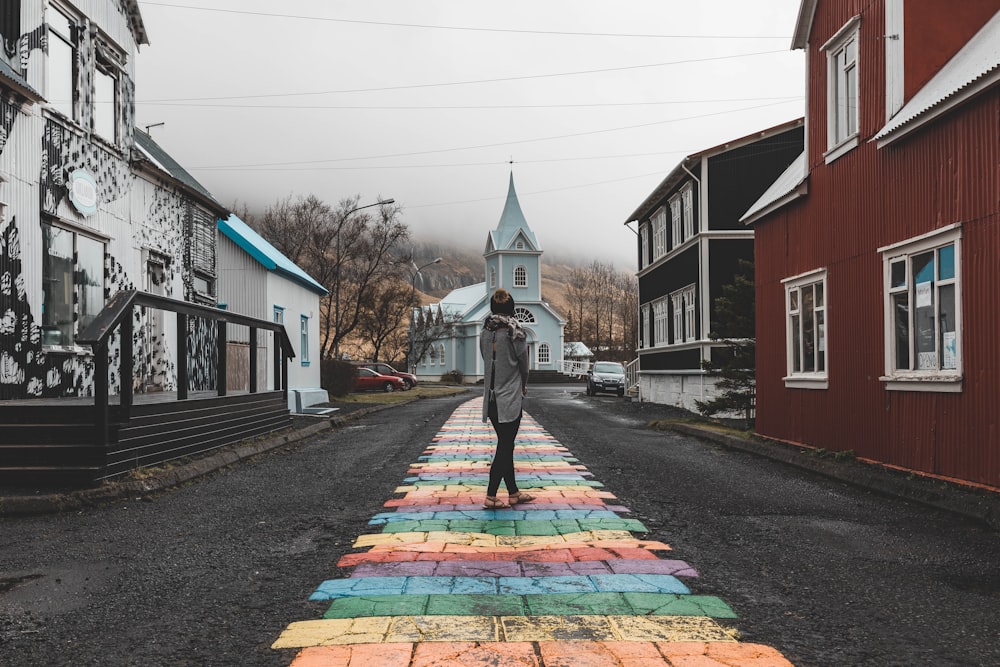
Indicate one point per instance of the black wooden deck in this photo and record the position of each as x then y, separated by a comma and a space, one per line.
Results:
57, 441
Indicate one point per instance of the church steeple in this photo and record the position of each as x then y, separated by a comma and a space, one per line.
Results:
512, 224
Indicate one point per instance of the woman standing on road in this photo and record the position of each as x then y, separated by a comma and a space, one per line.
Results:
504, 347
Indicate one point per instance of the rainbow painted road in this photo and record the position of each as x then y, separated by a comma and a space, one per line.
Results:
560, 581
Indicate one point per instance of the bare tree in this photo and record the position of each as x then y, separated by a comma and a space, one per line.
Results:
384, 319
347, 250
603, 314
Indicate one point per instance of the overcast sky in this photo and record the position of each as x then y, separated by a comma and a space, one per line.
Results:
434, 102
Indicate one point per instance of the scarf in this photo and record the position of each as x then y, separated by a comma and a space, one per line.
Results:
498, 321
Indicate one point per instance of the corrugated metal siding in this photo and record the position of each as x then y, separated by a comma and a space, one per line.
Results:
242, 286
948, 172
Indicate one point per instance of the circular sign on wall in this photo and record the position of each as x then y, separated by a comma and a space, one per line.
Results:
83, 191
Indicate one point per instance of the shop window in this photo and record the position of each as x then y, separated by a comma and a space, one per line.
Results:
923, 315
73, 283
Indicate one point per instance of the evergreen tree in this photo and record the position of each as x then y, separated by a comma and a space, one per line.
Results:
735, 370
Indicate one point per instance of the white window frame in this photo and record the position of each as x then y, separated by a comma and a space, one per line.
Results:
661, 320
684, 314
106, 125
690, 314
914, 379
677, 313
659, 224
544, 353
676, 221
643, 246
842, 74
646, 331
304, 340
795, 343
687, 209
441, 354
493, 277
520, 276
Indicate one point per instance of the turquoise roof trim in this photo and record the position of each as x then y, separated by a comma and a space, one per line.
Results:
266, 254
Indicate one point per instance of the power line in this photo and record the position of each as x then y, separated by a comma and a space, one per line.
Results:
542, 192
425, 26
490, 163
492, 145
464, 107
470, 82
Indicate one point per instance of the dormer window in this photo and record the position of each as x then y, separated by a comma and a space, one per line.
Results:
842, 89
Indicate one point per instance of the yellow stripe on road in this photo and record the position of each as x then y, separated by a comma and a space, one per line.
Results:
394, 629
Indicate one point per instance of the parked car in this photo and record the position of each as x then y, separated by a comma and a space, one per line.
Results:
607, 376
365, 379
385, 369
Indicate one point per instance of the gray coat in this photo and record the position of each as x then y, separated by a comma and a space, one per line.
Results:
511, 373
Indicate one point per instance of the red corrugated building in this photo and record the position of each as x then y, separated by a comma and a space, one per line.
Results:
878, 252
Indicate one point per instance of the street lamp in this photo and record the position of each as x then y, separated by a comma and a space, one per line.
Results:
413, 291
336, 286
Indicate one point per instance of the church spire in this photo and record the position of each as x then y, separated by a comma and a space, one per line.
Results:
512, 222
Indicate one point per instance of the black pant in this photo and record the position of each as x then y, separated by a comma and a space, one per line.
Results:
503, 460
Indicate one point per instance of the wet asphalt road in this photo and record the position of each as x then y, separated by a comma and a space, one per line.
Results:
209, 574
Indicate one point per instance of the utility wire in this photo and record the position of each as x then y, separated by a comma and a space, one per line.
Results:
465, 107
458, 28
492, 145
470, 82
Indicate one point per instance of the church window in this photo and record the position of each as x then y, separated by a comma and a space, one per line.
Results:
441, 353
493, 277
522, 314
544, 354
520, 245
520, 277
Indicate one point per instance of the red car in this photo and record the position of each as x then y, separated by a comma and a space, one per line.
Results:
386, 369
365, 379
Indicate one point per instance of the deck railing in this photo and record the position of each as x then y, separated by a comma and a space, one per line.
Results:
575, 368
117, 314
632, 377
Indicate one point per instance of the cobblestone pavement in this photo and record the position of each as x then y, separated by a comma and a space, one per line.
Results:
563, 580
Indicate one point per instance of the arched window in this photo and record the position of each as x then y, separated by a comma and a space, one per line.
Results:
544, 353
522, 314
493, 277
520, 277
441, 354
433, 355
520, 245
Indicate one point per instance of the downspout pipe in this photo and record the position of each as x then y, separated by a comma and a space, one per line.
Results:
700, 267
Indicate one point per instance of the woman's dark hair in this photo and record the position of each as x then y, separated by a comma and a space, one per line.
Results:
502, 303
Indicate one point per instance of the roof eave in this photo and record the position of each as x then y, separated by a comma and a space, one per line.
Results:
144, 164
884, 138
803, 24
800, 191
680, 172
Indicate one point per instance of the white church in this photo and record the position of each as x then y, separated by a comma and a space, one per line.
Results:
512, 261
